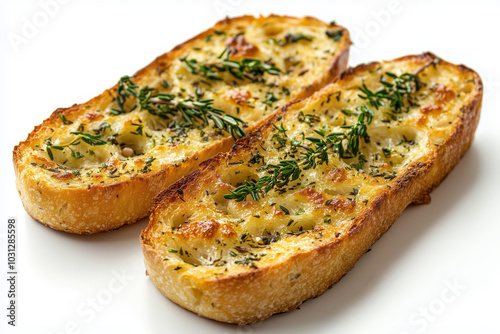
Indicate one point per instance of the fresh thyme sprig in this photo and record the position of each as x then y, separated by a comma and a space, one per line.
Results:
316, 153
284, 172
280, 135
294, 38
396, 93
93, 140
163, 106
248, 68
126, 88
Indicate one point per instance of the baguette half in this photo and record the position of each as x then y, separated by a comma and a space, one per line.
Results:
222, 245
97, 166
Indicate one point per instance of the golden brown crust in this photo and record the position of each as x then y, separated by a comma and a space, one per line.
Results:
250, 295
113, 203
88, 210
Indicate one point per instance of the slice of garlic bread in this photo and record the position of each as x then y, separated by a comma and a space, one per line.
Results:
98, 165
291, 208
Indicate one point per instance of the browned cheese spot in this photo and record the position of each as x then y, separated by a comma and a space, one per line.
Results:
240, 47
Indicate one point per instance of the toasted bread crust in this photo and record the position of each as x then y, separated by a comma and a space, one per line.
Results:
249, 295
87, 209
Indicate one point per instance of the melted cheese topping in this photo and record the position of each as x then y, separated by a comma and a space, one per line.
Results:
139, 142
211, 233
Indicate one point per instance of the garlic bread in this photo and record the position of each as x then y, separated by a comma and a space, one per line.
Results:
291, 208
97, 166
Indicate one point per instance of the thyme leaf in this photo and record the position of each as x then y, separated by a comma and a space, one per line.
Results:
64, 120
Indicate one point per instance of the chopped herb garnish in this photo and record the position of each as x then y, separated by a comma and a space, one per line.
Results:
285, 210
149, 160
77, 155
335, 35
273, 41
138, 130
294, 38
270, 99
104, 126
361, 162
347, 112
64, 120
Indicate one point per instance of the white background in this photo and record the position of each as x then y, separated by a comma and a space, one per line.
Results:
401, 286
